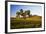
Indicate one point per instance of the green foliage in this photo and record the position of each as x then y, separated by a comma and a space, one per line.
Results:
27, 12
18, 13
21, 10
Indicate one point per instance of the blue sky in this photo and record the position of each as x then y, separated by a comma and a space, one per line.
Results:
35, 10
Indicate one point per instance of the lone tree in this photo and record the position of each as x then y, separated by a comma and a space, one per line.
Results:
18, 13
21, 10
22, 14
27, 12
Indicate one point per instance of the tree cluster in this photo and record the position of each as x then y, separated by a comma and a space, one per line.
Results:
22, 13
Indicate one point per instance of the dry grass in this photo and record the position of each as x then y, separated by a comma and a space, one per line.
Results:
32, 22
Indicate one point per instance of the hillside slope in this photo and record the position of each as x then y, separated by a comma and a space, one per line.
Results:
32, 22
